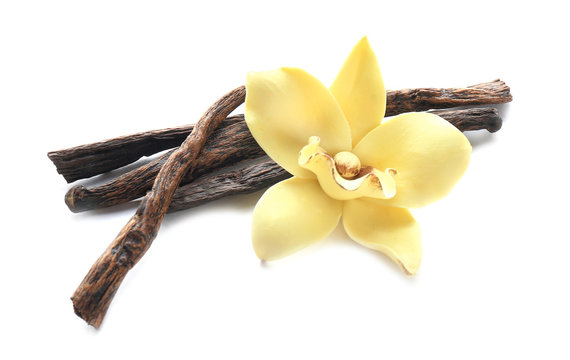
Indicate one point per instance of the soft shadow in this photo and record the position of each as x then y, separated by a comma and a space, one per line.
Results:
234, 202
395, 267
91, 330
503, 110
339, 238
479, 138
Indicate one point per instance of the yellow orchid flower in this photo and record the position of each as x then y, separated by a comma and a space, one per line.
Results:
346, 161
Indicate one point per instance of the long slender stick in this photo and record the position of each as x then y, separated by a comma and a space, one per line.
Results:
470, 119
244, 178
407, 100
228, 146
92, 159
88, 160
95, 293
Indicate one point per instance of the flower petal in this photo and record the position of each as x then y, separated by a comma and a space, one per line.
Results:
428, 154
284, 107
359, 89
291, 215
393, 231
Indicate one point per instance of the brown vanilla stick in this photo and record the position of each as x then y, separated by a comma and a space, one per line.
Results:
485, 118
88, 160
243, 178
408, 100
229, 146
92, 159
95, 293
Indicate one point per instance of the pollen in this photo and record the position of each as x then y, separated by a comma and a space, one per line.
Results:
347, 164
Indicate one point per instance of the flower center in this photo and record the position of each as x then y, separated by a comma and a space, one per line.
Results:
347, 164
343, 177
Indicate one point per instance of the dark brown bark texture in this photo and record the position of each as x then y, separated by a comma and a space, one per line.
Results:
95, 293
92, 159
471, 119
407, 100
228, 146
245, 178
88, 160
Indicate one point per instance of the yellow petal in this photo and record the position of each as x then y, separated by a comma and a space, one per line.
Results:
284, 107
291, 215
428, 153
359, 89
393, 231
373, 183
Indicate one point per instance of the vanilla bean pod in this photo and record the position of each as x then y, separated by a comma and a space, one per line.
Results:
408, 100
244, 178
484, 118
95, 293
88, 160
92, 159
229, 146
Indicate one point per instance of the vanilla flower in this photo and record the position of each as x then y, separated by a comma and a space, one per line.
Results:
346, 161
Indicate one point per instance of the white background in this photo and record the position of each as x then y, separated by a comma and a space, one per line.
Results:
494, 279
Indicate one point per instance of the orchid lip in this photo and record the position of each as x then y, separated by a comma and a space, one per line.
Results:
342, 177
